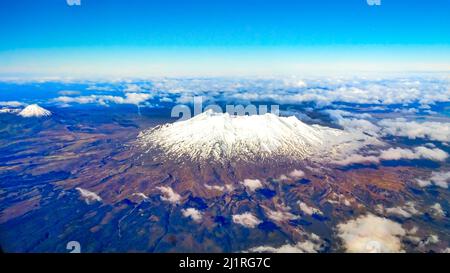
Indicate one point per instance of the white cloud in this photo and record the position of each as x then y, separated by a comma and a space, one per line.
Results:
280, 215
296, 174
132, 88
422, 89
140, 194
308, 209
12, 103
89, 196
130, 98
68, 92
353, 121
9, 110
252, 184
420, 152
135, 98
423, 183
370, 233
283, 177
300, 247
227, 187
169, 195
356, 159
431, 239
431, 130
439, 179
215, 187
335, 198
98, 88
246, 219
407, 210
406, 111
398, 211
437, 210
165, 99
193, 213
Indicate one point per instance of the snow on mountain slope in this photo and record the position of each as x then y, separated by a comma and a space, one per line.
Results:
219, 136
34, 110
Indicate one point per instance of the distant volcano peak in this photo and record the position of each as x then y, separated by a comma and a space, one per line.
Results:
34, 110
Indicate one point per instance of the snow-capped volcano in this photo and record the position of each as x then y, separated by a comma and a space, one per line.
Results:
34, 110
219, 136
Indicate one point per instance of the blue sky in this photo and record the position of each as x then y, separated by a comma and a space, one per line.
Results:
199, 37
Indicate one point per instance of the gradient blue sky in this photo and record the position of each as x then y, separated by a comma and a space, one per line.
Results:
200, 37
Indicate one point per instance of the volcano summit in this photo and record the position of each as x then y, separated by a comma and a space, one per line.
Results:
218, 137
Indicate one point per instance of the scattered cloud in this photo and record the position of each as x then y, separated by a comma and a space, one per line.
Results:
98, 88
169, 195
246, 219
431, 130
356, 159
420, 152
296, 174
281, 215
140, 194
130, 98
307, 246
89, 196
252, 184
227, 187
193, 213
437, 210
431, 239
9, 110
371, 234
407, 210
68, 92
132, 88
352, 121
439, 179
309, 210
335, 198
12, 103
